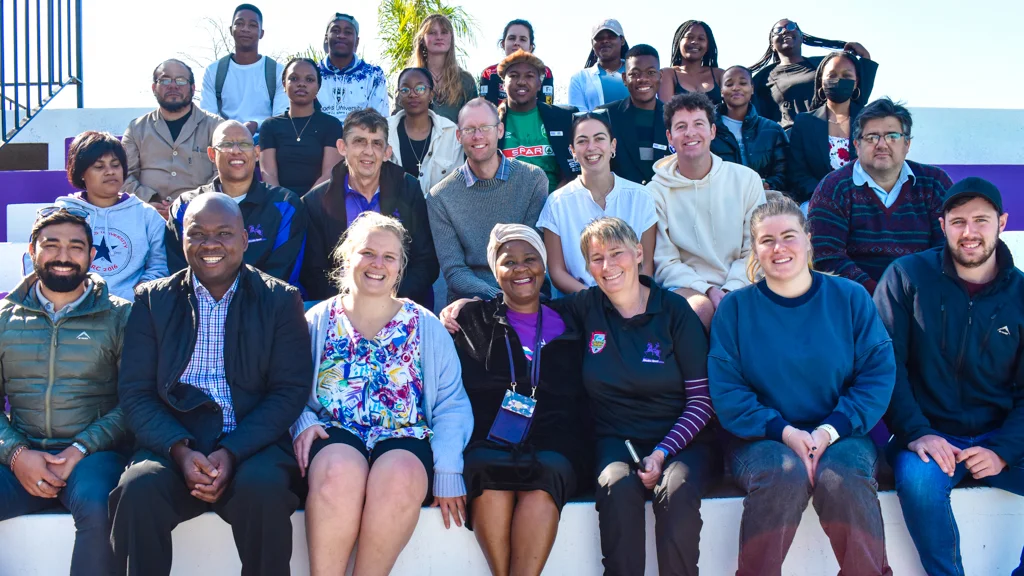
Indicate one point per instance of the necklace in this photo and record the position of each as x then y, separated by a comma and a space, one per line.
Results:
298, 133
423, 149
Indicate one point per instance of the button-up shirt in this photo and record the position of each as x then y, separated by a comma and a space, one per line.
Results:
504, 171
861, 177
54, 314
205, 370
356, 203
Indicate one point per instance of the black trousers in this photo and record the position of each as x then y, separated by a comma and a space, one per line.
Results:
676, 499
151, 499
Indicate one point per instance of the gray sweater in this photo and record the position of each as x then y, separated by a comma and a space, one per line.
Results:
461, 219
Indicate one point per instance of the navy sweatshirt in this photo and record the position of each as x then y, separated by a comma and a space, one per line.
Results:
822, 358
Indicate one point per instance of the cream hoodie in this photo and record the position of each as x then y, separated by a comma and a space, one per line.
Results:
704, 225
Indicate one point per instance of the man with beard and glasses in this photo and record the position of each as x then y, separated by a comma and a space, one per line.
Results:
210, 383
167, 148
61, 333
349, 82
957, 410
883, 206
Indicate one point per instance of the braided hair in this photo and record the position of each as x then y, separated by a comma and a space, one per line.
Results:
819, 98
770, 56
710, 59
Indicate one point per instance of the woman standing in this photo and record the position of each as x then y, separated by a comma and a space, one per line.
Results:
298, 149
518, 35
694, 64
597, 192
434, 50
518, 477
422, 142
819, 141
801, 383
744, 137
387, 419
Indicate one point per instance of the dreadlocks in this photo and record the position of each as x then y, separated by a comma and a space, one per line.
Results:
710, 59
771, 57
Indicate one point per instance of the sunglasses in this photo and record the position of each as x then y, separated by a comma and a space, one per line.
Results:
47, 211
779, 30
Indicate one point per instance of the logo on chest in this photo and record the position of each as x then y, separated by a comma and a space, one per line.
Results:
255, 233
597, 342
653, 353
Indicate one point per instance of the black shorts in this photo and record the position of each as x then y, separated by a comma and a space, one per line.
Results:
420, 448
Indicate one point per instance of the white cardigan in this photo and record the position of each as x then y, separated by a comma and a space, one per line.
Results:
444, 152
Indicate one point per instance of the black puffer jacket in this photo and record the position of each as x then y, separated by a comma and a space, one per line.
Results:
765, 142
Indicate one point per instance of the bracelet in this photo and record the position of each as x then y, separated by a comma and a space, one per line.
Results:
785, 437
17, 453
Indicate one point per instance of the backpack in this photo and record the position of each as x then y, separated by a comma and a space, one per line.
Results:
269, 70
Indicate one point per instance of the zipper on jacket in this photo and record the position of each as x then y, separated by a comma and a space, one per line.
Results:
943, 330
991, 323
963, 340
50, 379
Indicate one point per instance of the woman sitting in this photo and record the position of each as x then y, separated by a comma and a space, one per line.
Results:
801, 368
520, 470
387, 419
434, 50
694, 64
744, 137
422, 142
595, 193
298, 149
819, 141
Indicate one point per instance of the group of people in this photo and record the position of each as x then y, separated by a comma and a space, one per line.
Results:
154, 358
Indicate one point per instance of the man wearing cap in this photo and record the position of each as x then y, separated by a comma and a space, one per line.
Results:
349, 82
880, 207
957, 324
601, 81
535, 133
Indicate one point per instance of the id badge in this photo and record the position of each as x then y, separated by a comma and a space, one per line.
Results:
516, 403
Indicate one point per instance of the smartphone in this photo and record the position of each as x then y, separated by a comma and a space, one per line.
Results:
633, 455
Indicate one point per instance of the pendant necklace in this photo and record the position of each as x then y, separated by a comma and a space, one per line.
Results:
423, 149
298, 133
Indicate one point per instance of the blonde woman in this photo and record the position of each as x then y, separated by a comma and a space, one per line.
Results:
388, 418
434, 49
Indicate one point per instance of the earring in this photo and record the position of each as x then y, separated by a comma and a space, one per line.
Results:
857, 92
613, 153
822, 92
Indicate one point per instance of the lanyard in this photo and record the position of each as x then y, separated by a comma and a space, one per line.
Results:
535, 363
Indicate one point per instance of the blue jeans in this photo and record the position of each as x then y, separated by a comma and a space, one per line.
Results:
85, 496
924, 491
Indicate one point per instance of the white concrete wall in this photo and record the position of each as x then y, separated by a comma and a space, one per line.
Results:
52, 126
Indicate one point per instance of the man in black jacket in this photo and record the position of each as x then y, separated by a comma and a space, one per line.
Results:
274, 217
638, 121
957, 327
215, 369
364, 181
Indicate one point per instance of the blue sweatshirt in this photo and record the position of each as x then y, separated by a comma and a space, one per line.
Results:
822, 358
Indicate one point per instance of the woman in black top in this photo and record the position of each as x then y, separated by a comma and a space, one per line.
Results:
516, 489
784, 78
298, 149
694, 64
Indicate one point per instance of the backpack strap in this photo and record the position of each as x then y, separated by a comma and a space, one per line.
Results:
222, 74
270, 70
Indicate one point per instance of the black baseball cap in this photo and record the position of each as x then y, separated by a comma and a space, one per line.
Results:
974, 187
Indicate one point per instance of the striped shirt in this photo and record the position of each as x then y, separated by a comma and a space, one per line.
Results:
205, 370
695, 417
504, 171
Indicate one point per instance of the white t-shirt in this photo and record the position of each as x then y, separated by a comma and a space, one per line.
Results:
569, 209
244, 97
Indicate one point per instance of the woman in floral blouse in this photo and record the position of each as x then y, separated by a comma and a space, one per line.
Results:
388, 417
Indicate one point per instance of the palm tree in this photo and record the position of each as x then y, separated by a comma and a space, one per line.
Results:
398, 21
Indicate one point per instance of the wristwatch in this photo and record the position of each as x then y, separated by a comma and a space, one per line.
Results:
80, 448
833, 434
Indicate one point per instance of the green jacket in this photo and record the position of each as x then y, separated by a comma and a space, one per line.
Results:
61, 380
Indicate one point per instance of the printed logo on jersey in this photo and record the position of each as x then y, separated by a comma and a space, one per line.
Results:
597, 342
113, 252
653, 353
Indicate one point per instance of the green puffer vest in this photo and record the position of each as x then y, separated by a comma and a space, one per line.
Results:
61, 380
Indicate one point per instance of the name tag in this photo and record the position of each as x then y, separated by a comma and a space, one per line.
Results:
548, 90
555, 133
657, 146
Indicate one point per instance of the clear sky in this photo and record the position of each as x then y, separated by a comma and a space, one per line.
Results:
941, 53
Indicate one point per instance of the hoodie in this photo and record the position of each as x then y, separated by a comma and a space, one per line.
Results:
704, 225
129, 241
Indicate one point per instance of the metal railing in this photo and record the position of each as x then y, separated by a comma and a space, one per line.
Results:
40, 55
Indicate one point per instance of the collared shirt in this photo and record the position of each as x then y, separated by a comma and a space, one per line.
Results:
205, 370
356, 203
55, 314
504, 170
861, 177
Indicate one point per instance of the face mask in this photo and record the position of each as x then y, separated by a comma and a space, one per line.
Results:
840, 90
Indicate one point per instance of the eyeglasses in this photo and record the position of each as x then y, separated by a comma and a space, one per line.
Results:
890, 137
178, 81
791, 27
419, 89
485, 130
228, 146
47, 211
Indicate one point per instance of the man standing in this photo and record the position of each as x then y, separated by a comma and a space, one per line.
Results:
167, 148
704, 207
638, 121
488, 189
274, 217
244, 85
872, 211
957, 326
61, 445
349, 82
209, 385
602, 80
365, 182
535, 133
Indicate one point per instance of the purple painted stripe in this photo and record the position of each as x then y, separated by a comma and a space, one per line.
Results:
27, 187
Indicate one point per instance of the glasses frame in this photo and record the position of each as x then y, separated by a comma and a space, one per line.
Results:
889, 137
242, 146
780, 30
179, 81
47, 211
485, 130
